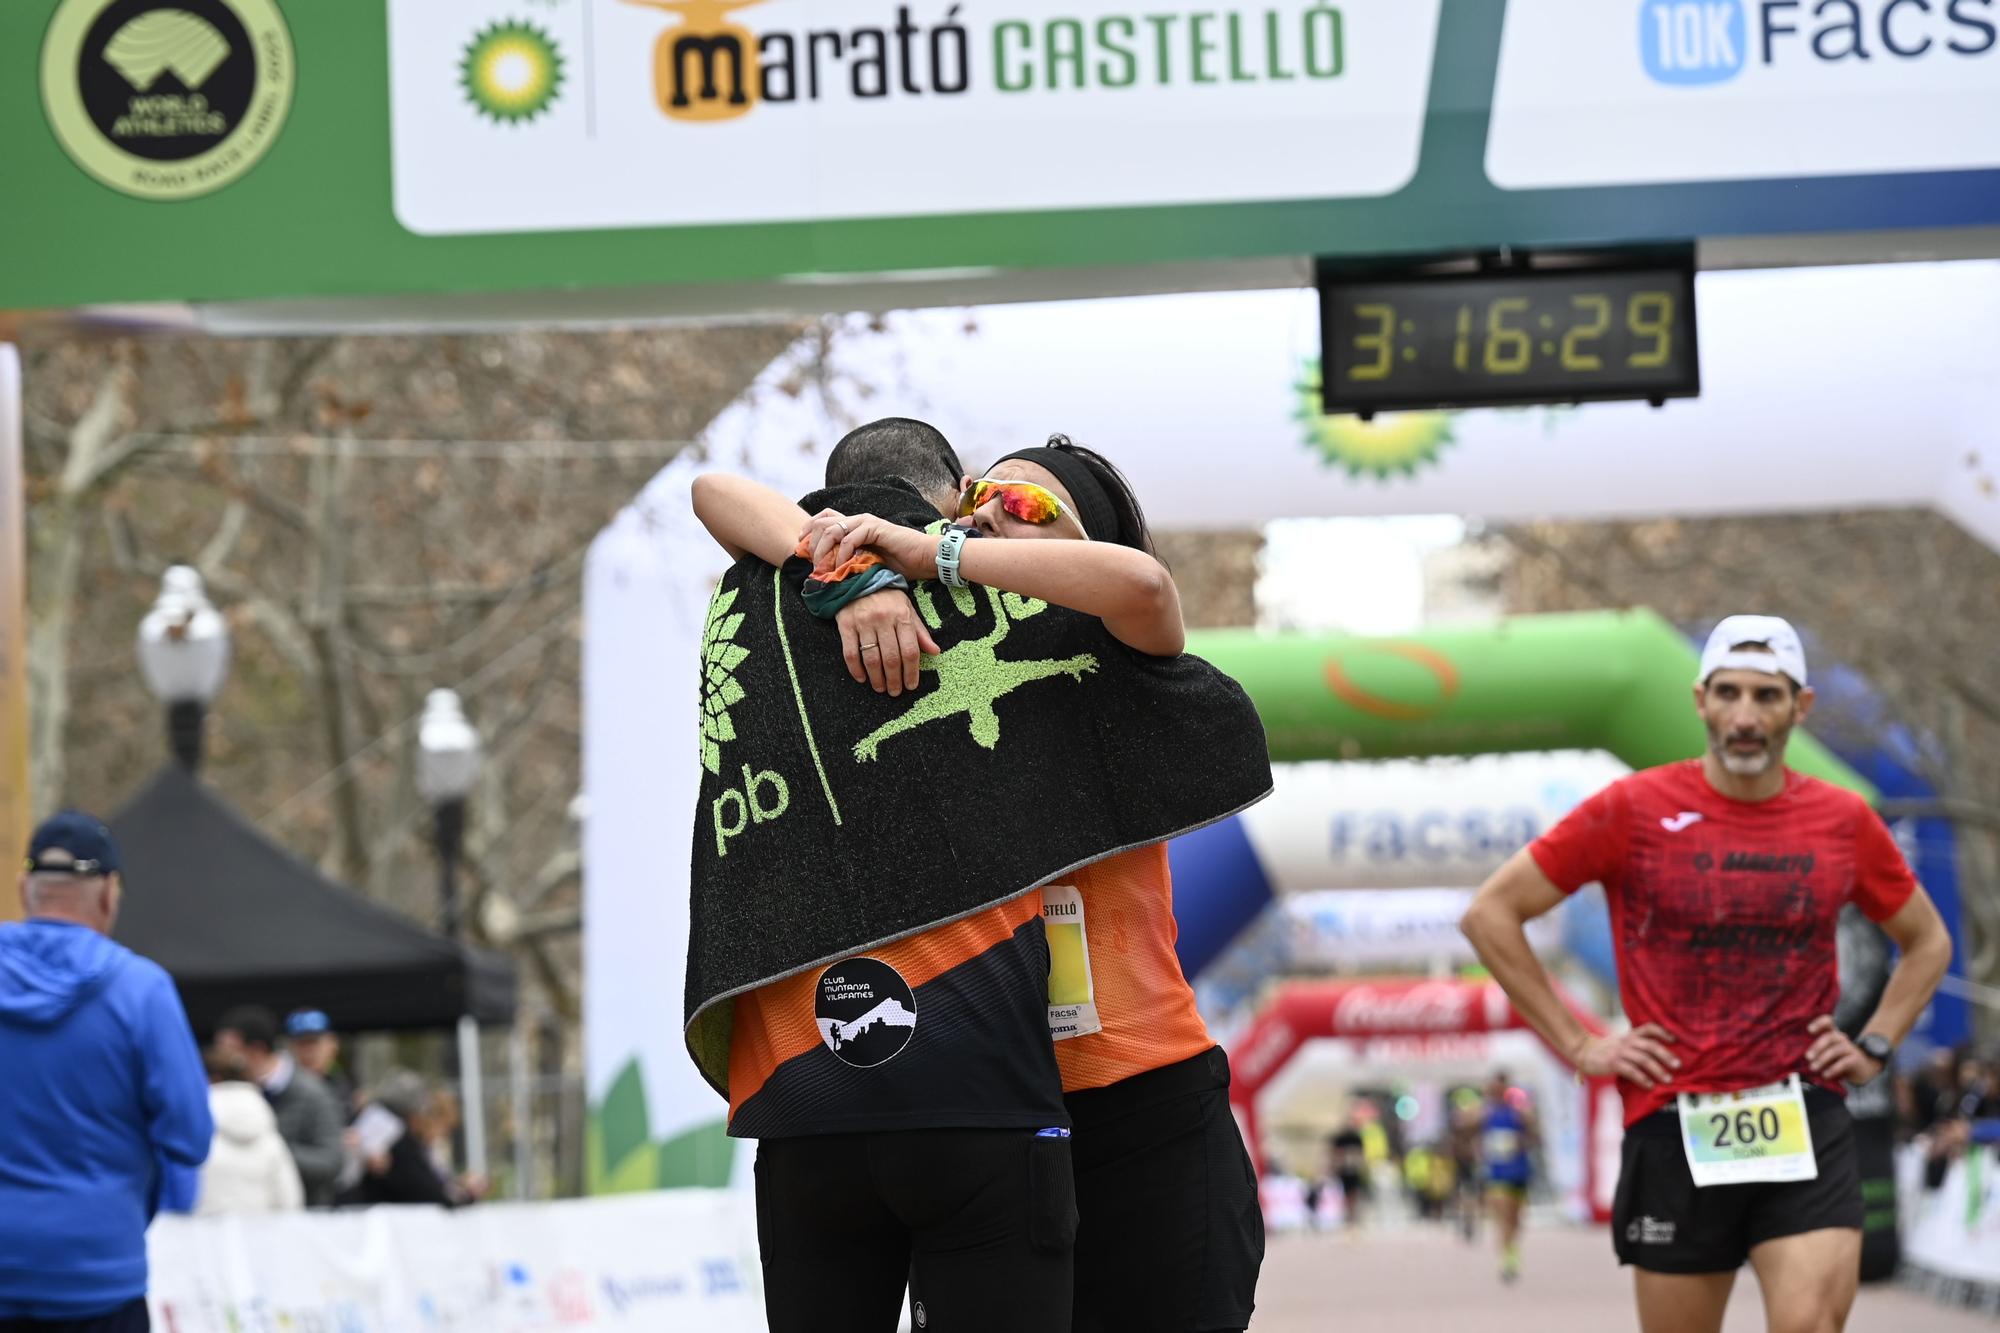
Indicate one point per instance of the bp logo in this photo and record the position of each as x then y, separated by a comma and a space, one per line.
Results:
511, 72
867, 1013
1392, 444
720, 691
167, 99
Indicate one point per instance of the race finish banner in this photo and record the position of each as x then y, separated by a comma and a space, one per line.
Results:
445, 161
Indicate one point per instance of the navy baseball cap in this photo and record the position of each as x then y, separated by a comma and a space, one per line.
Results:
307, 1023
91, 848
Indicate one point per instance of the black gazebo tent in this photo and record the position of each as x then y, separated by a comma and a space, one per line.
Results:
236, 919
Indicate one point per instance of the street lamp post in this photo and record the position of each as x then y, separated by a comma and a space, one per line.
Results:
184, 657
448, 759
448, 762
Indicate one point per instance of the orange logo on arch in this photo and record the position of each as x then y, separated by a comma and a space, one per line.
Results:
706, 69
1397, 710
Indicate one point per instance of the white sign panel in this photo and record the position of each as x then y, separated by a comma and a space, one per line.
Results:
1414, 823
1630, 92
575, 114
1352, 928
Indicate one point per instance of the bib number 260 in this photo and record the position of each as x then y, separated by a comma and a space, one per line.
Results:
1746, 1129
1759, 1134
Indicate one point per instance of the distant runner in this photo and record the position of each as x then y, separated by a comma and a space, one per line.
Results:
1507, 1131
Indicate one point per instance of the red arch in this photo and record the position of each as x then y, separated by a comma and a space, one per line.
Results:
1383, 1007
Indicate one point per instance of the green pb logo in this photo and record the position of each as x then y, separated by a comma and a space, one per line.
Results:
167, 99
764, 797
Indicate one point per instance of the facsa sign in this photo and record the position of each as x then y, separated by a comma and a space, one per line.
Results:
1628, 92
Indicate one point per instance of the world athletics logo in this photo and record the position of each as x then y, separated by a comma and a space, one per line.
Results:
709, 68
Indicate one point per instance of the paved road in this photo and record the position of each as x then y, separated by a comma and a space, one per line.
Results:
1426, 1281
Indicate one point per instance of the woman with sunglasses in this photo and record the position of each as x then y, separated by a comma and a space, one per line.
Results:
1171, 1235
1058, 492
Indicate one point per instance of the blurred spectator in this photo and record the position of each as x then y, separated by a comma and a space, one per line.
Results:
309, 1115
102, 1100
249, 1168
310, 1037
438, 1127
394, 1135
1934, 1092
1978, 1089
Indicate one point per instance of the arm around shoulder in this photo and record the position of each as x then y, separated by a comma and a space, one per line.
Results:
747, 517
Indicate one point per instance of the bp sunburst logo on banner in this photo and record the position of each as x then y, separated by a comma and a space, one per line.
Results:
511, 72
1393, 444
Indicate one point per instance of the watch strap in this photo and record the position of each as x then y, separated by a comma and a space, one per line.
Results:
949, 547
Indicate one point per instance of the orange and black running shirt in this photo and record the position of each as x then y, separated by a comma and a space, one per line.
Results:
943, 1030
1723, 914
1119, 1004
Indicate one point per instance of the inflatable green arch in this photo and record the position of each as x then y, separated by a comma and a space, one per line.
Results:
1609, 680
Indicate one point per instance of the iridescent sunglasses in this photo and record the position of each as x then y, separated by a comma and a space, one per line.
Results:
1023, 499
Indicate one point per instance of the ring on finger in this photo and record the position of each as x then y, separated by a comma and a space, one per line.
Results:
866, 646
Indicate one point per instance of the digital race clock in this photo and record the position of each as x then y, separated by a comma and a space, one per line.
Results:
1556, 329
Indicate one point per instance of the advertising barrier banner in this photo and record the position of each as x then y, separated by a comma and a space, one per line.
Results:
668, 1259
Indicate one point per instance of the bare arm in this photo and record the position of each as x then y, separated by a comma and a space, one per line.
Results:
1128, 590
881, 638
747, 517
1925, 942
1496, 923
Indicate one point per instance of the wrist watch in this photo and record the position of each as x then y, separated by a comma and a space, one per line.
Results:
949, 546
1876, 1047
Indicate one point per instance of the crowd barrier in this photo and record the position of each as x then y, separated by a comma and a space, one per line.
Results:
674, 1259
679, 1259
1953, 1231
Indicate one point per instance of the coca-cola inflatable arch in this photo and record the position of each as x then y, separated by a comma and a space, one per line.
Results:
1301, 1011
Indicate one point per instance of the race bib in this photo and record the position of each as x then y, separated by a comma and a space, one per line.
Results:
1737, 1138
1072, 996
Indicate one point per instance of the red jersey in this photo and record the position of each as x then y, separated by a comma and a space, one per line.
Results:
1723, 913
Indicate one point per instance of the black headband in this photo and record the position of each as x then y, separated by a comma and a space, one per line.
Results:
1093, 504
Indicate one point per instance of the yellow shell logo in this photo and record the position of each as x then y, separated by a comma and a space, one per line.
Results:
706, 69
1392, 444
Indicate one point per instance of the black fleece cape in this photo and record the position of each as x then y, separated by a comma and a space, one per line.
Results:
833, 820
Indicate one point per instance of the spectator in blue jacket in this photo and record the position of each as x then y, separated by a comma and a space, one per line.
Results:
103, 1102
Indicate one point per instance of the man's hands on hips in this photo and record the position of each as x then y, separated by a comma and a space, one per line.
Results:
882, 637
1641, 1056
1832, 1055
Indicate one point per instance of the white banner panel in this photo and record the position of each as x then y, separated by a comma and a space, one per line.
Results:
1414, 928
672, 1259
1953, 1230
1632, 92
1408, 823
577, 114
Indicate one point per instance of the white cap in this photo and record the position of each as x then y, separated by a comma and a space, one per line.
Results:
1784, 654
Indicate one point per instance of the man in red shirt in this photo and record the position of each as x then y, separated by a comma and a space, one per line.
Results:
1725, 877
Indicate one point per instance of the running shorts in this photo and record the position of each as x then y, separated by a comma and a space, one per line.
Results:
978, 1223
1170, 1235
1660, 1222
